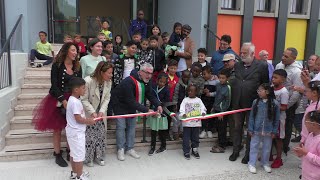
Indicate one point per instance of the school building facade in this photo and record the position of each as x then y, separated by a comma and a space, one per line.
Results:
270, 24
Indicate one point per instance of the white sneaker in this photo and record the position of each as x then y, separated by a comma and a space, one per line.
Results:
74, 175
252, 169
121, 155
203, 135
133, 153
100, 162
210, 135
89, 163
83, 177
267, 168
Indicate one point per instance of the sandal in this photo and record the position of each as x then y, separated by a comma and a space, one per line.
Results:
217, 149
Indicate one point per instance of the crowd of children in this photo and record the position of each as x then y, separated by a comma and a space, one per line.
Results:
192, 92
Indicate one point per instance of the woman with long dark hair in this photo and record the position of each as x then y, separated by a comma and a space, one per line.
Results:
50, 115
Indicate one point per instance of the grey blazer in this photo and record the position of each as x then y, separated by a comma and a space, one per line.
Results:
246, 82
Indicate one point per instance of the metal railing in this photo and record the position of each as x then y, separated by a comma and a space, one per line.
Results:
5, 59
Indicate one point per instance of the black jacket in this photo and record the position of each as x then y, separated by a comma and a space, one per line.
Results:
124, 96
58, 80
246, 82
163, 96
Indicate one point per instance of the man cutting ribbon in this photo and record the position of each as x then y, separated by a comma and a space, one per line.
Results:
129, 97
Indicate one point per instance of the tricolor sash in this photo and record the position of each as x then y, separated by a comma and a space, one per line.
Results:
140, 91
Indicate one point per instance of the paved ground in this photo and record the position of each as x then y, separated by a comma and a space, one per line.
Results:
169, 165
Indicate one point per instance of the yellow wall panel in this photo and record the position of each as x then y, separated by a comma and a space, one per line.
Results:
296, 35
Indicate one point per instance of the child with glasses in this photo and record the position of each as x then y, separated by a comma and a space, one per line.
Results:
263, 126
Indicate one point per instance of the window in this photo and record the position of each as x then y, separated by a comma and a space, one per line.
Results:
231, 7
228, 4
299, 9
266, 8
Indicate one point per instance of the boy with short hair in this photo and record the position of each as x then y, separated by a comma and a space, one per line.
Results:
42, 51
207, 98
282, 96
221, 104
80, 44
67, 38
136, 37
76, 128
196, 78
102, 37
158, 60
180, 92
125, 63
202, 55
105, 28
108, 51
165, 40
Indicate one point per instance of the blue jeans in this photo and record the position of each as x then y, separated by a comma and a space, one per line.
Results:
254, 149
35, 54
126, 133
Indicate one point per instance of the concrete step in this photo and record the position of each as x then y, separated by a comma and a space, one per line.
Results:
35, 88
30, 98
40, 70
45, 150
24, 110
37, 79
31, 136
25, 122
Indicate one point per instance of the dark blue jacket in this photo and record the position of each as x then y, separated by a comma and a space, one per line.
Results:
138, 26
174, 39
124, 96
163, 96
216, 61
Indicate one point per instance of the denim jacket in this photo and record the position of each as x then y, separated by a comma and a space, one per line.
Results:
261, 124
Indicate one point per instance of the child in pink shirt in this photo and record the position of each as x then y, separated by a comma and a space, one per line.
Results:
313, 94
309, 151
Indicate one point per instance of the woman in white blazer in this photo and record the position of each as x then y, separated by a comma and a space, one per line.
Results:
95, 102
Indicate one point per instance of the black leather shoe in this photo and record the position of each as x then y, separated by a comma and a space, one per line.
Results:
245, 159
234, 156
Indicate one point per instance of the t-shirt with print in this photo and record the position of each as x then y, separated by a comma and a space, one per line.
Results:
74, 106
192, 107
44, 49
128, 67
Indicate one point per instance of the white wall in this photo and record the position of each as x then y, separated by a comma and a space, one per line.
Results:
8, 96
34, 20
192, 12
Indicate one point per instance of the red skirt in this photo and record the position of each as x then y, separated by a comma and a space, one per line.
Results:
47, 116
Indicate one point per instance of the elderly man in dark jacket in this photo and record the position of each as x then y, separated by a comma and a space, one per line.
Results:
249, 74
128, 98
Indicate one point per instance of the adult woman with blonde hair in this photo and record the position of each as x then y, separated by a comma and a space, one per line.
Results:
49, 115
95, 102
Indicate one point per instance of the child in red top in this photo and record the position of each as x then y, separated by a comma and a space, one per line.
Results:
173, 78
172, 82
80, 44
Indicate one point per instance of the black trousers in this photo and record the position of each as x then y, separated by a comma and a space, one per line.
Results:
190, 133
162, 136
288, 127
35, 54
222, 131
239, 119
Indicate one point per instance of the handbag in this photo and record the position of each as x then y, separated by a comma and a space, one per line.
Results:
61, 109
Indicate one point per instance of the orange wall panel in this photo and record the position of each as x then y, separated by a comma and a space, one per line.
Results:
231, 25
263, 35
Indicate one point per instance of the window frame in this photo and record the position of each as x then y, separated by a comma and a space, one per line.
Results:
274, 9
305, 10
238, 11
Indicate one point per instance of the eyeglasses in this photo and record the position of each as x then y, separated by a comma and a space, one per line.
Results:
226, 61
140, 14
148, 73
224, 44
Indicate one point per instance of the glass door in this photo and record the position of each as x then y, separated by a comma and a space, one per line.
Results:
63, 19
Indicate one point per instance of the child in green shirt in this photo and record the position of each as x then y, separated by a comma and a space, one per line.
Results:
42, 51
